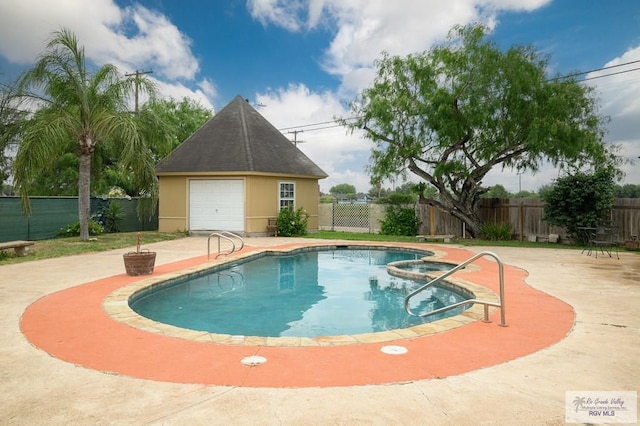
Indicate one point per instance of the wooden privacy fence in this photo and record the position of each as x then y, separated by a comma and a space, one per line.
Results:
524, 215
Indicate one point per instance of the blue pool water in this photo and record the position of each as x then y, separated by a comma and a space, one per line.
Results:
306, 294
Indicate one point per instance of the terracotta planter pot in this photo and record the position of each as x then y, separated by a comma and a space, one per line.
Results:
139, 263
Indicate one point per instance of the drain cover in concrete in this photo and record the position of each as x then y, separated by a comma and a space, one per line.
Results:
253, 360
394, 350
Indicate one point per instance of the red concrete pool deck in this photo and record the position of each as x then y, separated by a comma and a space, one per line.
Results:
600, 352
72, 325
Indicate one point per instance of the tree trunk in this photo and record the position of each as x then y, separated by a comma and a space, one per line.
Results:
472, 221
465, 213
84, 194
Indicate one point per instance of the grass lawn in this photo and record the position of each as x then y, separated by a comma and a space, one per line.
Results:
57, 247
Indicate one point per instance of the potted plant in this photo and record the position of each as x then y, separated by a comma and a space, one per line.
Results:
139, 262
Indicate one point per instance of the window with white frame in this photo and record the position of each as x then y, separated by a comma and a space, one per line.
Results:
287, 195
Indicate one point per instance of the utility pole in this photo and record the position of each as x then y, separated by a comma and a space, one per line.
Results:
137, 74
519, 182
295, 137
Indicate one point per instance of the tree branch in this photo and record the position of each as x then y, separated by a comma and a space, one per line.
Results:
376, 135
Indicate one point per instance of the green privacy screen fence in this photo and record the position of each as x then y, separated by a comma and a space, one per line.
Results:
50, 214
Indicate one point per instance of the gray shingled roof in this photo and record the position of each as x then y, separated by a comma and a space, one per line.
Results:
239, 139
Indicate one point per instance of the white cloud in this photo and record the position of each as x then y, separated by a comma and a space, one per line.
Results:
208, 88
619, 96
342, 156
620, 93
283, 13
26, 25
153, 42
179, 91
132, 38
365, 28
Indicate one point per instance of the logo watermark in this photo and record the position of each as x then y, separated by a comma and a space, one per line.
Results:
601, 407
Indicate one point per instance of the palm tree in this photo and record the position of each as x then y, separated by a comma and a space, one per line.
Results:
73, 105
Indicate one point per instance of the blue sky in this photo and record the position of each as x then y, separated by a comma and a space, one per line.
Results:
303, 61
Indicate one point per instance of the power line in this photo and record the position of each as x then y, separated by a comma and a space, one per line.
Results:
610, 74
314, 124
600, 69
333, 126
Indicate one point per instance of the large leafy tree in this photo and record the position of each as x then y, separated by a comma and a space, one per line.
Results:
496, 191
343, 188
455, 112
181, 118
629, 190
71, 104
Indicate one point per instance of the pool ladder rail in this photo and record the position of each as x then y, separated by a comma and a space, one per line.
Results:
450, 272
226, 235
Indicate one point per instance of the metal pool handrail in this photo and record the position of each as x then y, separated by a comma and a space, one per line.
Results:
486, 303
232, 235
227, 236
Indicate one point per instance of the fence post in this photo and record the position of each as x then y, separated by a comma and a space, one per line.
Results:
432, 220
333, 215
521, 220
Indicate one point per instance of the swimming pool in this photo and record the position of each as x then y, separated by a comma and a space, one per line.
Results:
309, 293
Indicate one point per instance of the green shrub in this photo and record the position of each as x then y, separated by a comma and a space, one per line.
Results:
400, 220
73, 230
495, 231
112, 216
579, 200
292, 223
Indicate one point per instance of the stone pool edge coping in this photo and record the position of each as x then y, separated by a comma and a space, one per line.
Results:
116, 305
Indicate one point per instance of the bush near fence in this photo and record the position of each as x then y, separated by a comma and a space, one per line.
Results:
50, 214
524, 215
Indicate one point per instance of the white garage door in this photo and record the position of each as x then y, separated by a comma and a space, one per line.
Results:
216, 205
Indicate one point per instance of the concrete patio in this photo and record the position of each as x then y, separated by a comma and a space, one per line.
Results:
600, 353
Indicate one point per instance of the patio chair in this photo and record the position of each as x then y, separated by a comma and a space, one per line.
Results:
272, 226
606, 239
